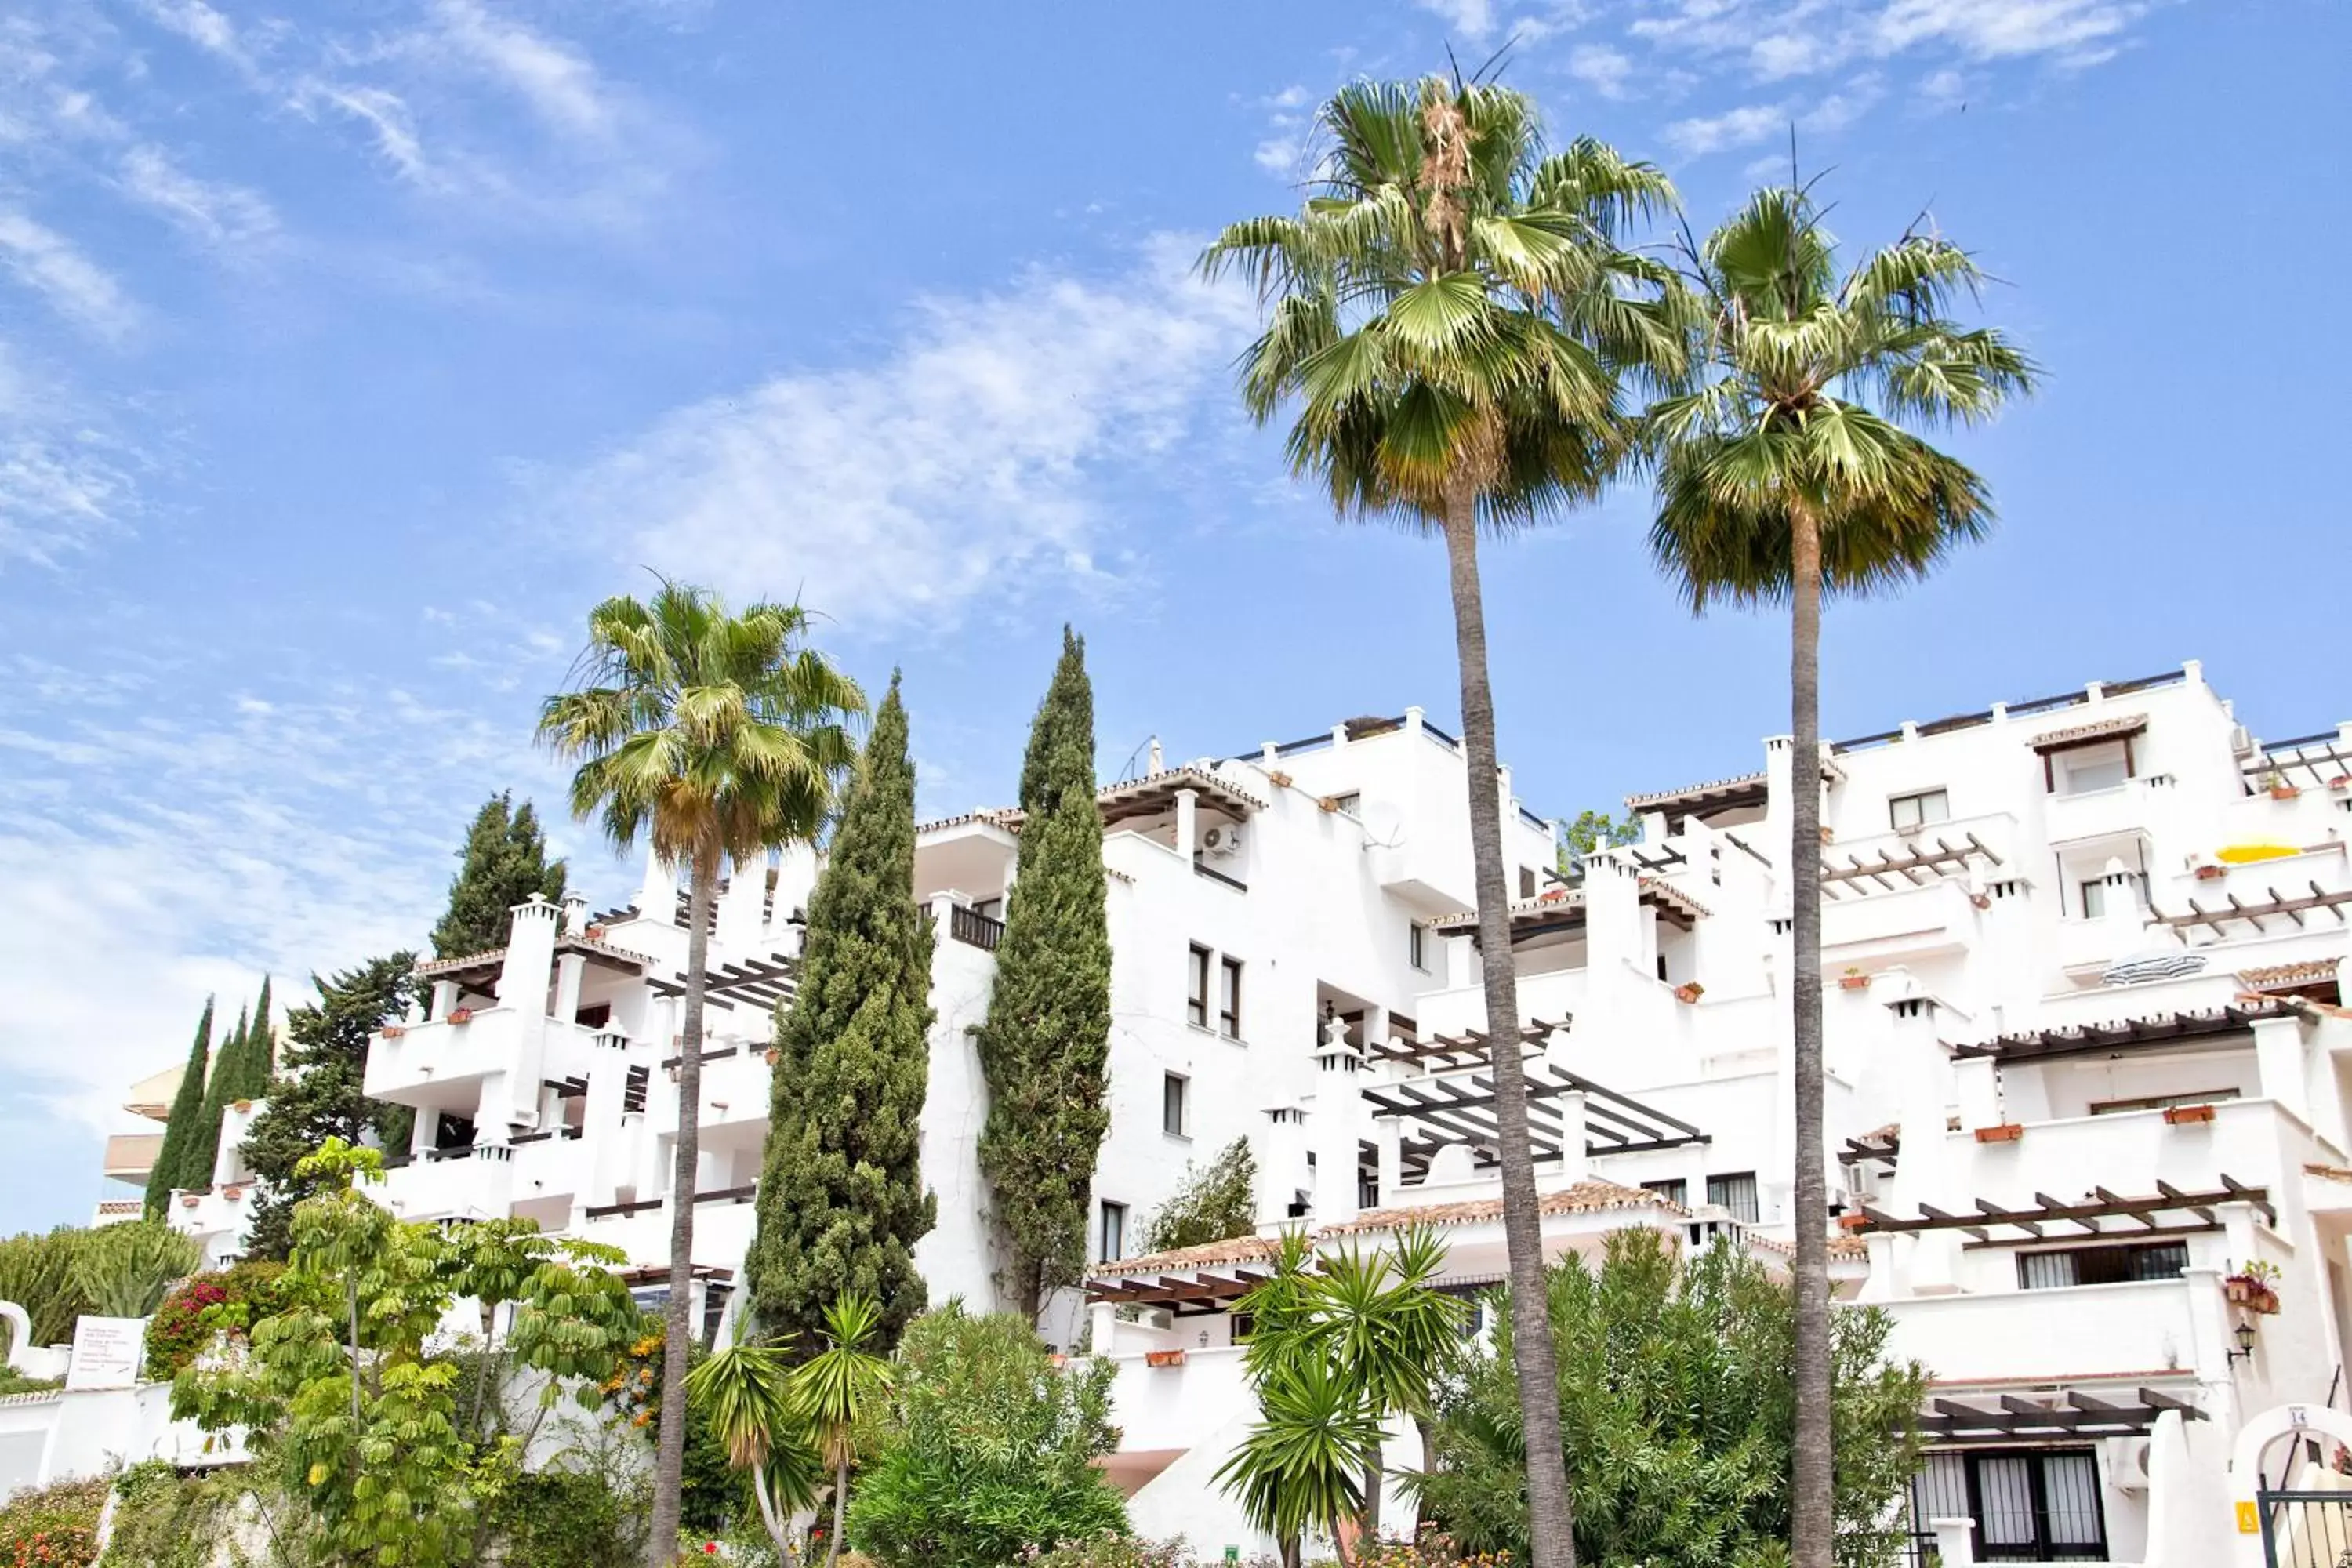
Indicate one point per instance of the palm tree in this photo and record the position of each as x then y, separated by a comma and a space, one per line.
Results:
1390, 1336
717, 737
1300, 1466
839, 1388
745, 1393
1454, 315
1785, 474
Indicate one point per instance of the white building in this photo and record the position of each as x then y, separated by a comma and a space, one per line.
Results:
2083, 1048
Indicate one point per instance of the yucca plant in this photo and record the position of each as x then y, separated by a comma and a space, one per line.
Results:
126, 1270
745, 1393
840, 1389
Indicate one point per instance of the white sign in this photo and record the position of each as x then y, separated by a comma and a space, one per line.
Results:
107, 1353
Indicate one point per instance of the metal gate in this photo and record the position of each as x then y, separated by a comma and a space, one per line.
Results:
2307, 1530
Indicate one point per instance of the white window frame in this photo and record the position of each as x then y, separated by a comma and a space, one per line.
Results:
1917, 801
1176, 1095
1111, 1217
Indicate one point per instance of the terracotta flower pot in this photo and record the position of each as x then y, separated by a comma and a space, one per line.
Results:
1851, 1223
2265, 1301
2008, 1133
2284, 791
242, 1106
2183, 1115
2211, 873
461, 1015
2238, 1288
1853, 982
1689, 991
595, 933
393, 1031
1163, 1358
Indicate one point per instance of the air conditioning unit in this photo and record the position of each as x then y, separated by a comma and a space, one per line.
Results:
2241, 741
2128, 1465
1222, 840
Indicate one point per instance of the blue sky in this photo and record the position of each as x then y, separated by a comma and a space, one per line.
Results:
347, 354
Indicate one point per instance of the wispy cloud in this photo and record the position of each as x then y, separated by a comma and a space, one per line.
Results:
1776, 40
226, 217
41, 259
1741, 127
977, 457
1604, 69
559, 82
1474, 19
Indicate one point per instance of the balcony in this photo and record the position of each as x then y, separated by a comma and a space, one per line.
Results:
2024, 1336
468, 1184
1901, 921
2128, 807
442, 1065
131, 1155
968, 925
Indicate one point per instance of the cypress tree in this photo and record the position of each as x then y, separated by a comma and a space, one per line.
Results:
319, 1096
258, 1060
841, 1201
187, 1105
1046, 1046
503, 863
203, 1140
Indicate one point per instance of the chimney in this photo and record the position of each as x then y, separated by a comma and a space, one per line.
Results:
576, 914
530, 956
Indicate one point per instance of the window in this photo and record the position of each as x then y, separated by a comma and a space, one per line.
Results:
2101, 1265
1527, 881
1920, 810
1736, 1192
1196, 1000
1416, 944
2095, 898
1676, 1191
2040, 1506
1349, 804
1175, 1105
1229, 1005
1114, 1233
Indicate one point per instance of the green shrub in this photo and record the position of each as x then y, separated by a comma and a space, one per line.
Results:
55, 1527
165, 1520
565, 1518
988, 1451
13, 1382
37, 1272
123, 1271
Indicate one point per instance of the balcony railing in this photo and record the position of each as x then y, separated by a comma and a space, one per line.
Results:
970, 926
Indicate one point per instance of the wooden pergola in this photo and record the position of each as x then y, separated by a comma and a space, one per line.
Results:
763, 983
1199, 1295
2091, 1215
2090, 1039
1455, 1104
2065, 1413
2322, 756
1917, 867
2291, 907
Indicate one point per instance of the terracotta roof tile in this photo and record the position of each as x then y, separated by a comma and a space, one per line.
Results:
1208, 1255
1584, 1197
2328, 1173
1692, 792
2310, 971
2096, 729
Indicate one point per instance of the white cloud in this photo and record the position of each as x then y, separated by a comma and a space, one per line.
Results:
1474, 19
383, 114
1988, 29
975, 460
1741, 127
1604, 69
1278, 155
559, 82
1943, 90
226, 217
204, 27
1775, 40
46, 262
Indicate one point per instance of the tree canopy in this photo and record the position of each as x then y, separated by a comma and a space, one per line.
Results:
501, 864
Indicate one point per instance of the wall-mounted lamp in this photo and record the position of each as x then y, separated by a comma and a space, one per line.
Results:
2244, 1334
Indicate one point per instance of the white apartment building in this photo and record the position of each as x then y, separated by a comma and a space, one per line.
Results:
2085, 1063
1248, 899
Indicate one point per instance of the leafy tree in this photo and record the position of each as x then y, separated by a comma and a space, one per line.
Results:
1339, 1346
345, 1410
1785, 474
1678, 1417
1454, 314
841, 1389
1044, 1046
504, 862
715, 736
319, 1096
1593, 830
180, 1129
200, 1157
988, 1448
842, 1199
1217, 1200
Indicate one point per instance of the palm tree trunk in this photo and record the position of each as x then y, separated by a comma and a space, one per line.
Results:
840, 1509
1550, 1521
1368, 1521
1814, 1511
678, 1342
779, 1530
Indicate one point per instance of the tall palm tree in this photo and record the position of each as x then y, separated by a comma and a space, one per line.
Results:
716, 737
1454, 315
840, 1387
1785, 473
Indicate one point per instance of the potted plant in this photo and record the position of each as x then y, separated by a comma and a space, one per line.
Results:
595, 933
394, 1031
242, 1106
234, 1192
461, 1015
2007, 1133
1278, 779
771, 1053
1329, 801
1852, 1223
1689, 991
2254, 1287
2340, 782
1163, 1358
2280, 789
2184, 1115
1853, 980
2211, 871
